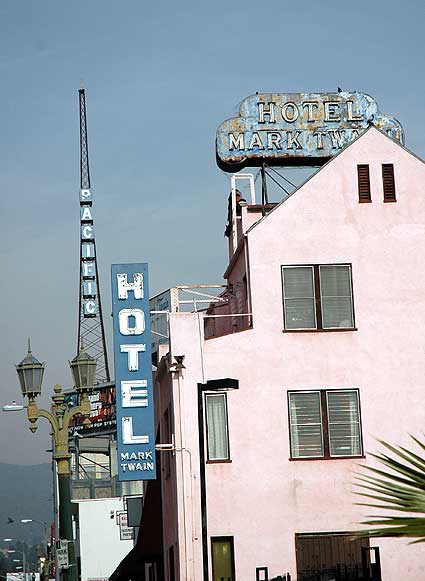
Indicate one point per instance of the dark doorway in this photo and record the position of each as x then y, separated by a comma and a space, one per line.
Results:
171, 567
335, 556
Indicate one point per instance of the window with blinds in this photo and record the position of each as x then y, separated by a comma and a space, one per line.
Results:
299, 297
324, 423
317, 297
363, 179
343, 417
336, 296
305, 415
217, 427
388, 182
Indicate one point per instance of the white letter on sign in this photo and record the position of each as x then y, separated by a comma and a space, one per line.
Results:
85, 194
134, 393
86, 214
87, 232
139, 321
133, 355
127, 433
263, 110
136, 286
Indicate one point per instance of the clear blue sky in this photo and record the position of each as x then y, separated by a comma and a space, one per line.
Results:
160, 76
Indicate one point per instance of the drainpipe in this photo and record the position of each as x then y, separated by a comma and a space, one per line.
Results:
202, 482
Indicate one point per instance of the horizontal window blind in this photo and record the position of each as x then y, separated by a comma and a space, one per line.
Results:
336, 297
218, 443
299, 298
344, 423
305, 424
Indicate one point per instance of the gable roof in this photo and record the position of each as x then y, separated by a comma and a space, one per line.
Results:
332, 160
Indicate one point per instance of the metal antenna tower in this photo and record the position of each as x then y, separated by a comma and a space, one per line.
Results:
91, 331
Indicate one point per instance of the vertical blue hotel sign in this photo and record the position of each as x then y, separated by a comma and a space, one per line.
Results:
133, 372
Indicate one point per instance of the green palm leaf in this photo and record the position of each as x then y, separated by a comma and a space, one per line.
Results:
399, 487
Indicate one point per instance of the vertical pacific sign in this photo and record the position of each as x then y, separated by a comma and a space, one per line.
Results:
88, 266
133, 372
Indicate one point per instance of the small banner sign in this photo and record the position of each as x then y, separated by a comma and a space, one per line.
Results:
297, 128
133, 372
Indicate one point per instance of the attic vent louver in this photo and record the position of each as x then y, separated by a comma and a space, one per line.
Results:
364, 183
388, 182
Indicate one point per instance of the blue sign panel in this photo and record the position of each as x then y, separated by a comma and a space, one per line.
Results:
133, 372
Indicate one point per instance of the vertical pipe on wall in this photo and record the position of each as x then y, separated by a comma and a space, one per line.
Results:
182, 467
202, 480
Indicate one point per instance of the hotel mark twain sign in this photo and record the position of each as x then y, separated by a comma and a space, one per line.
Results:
297, 128
133, 372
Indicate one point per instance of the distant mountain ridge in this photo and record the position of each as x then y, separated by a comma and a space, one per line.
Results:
25, 492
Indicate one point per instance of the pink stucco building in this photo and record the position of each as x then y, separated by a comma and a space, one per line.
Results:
276, 405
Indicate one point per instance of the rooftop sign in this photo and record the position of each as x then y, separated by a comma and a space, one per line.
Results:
297, 128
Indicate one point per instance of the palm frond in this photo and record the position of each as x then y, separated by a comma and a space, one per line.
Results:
400, 487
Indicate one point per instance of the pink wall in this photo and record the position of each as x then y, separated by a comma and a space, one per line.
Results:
261, 497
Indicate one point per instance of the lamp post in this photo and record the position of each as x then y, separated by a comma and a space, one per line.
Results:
43, 524
30, 373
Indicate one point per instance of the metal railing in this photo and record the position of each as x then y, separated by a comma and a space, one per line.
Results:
223, 308
182, 299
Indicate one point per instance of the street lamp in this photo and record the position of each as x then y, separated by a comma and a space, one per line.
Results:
13, 407
43, 524
30, 373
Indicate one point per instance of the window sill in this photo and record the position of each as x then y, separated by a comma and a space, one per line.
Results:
219, 461
337, 330
326, 458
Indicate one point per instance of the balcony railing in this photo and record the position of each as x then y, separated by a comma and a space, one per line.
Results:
224, 310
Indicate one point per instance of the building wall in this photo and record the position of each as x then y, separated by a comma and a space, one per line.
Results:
101, 549
262, 498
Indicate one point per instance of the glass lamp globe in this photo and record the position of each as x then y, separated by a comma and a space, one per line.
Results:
83, 368
30, 374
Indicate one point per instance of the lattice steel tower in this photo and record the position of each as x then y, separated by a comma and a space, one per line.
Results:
91, 331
